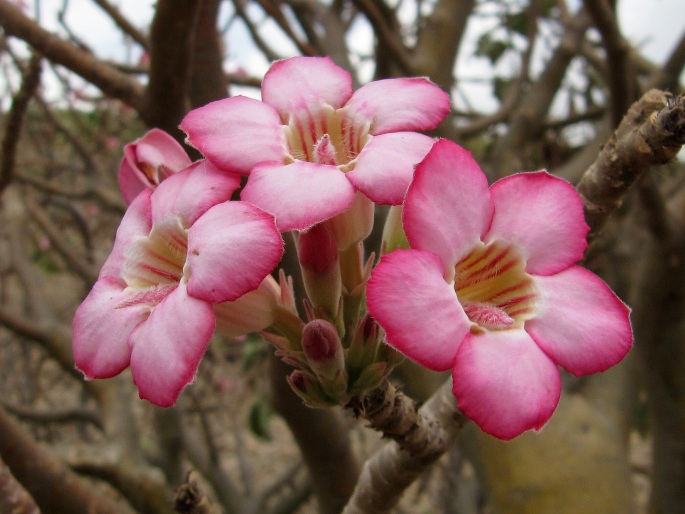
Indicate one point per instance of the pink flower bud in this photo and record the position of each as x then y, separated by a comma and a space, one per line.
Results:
318, 254
325, 356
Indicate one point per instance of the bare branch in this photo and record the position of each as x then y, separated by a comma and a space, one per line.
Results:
172, 37
78, 414
52, 485
13, 497
623, 88
651, 133
420, 439
110, 80
122, 22
15, 119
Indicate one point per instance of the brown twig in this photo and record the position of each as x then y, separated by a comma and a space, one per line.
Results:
52, 485
651, 133
623, 88
77, 414
123, 23
15, 119
111, 81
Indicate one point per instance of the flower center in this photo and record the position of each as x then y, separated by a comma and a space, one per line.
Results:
493, 287
153, 265
328, 137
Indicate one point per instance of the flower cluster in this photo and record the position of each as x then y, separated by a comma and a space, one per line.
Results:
480, 280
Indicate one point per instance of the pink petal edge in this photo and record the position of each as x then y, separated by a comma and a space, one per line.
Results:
300, 194
505, 383
168, 347
418, 310
543, 215
583, 326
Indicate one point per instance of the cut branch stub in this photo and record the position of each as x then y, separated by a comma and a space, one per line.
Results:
651, 133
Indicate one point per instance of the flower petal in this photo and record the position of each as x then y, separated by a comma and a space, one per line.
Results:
236, 133
230, 251
158, 148
385, 166
544, 216
300, 194
305, 83
168, 347
251, 312
101, 331
418, 310
136, 223
582, 326
143, 159
393, 105
448, 206
505, 383
189, 194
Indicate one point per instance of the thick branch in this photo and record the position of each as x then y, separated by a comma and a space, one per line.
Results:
651, 133
172, 38
420, 439
208, 81
110, 80
52, 485
323, 440
13, 497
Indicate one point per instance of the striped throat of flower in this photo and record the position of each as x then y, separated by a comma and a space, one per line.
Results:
153, 265
329, 136
494, 289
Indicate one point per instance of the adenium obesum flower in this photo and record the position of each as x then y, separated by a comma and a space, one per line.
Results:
311, 142
490, 290
180, 250
149, 160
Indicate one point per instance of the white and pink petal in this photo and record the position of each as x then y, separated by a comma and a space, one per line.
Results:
168, 347
101, 330
236, 133
385, 166
231, 249
304, 84
418, 310
135, 225
505, 383
187, 195
582, 325
300, 194
543, 215
394, 105
448, 207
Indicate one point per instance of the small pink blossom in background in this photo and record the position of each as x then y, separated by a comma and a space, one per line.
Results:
490, 290
180, 251
149, 160
311, 142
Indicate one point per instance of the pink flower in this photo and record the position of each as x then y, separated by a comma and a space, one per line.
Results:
490, 290
179, 250
149, 160
311, 143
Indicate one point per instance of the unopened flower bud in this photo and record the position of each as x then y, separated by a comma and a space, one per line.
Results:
364, 344
323, 349
307, 388
318, 254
